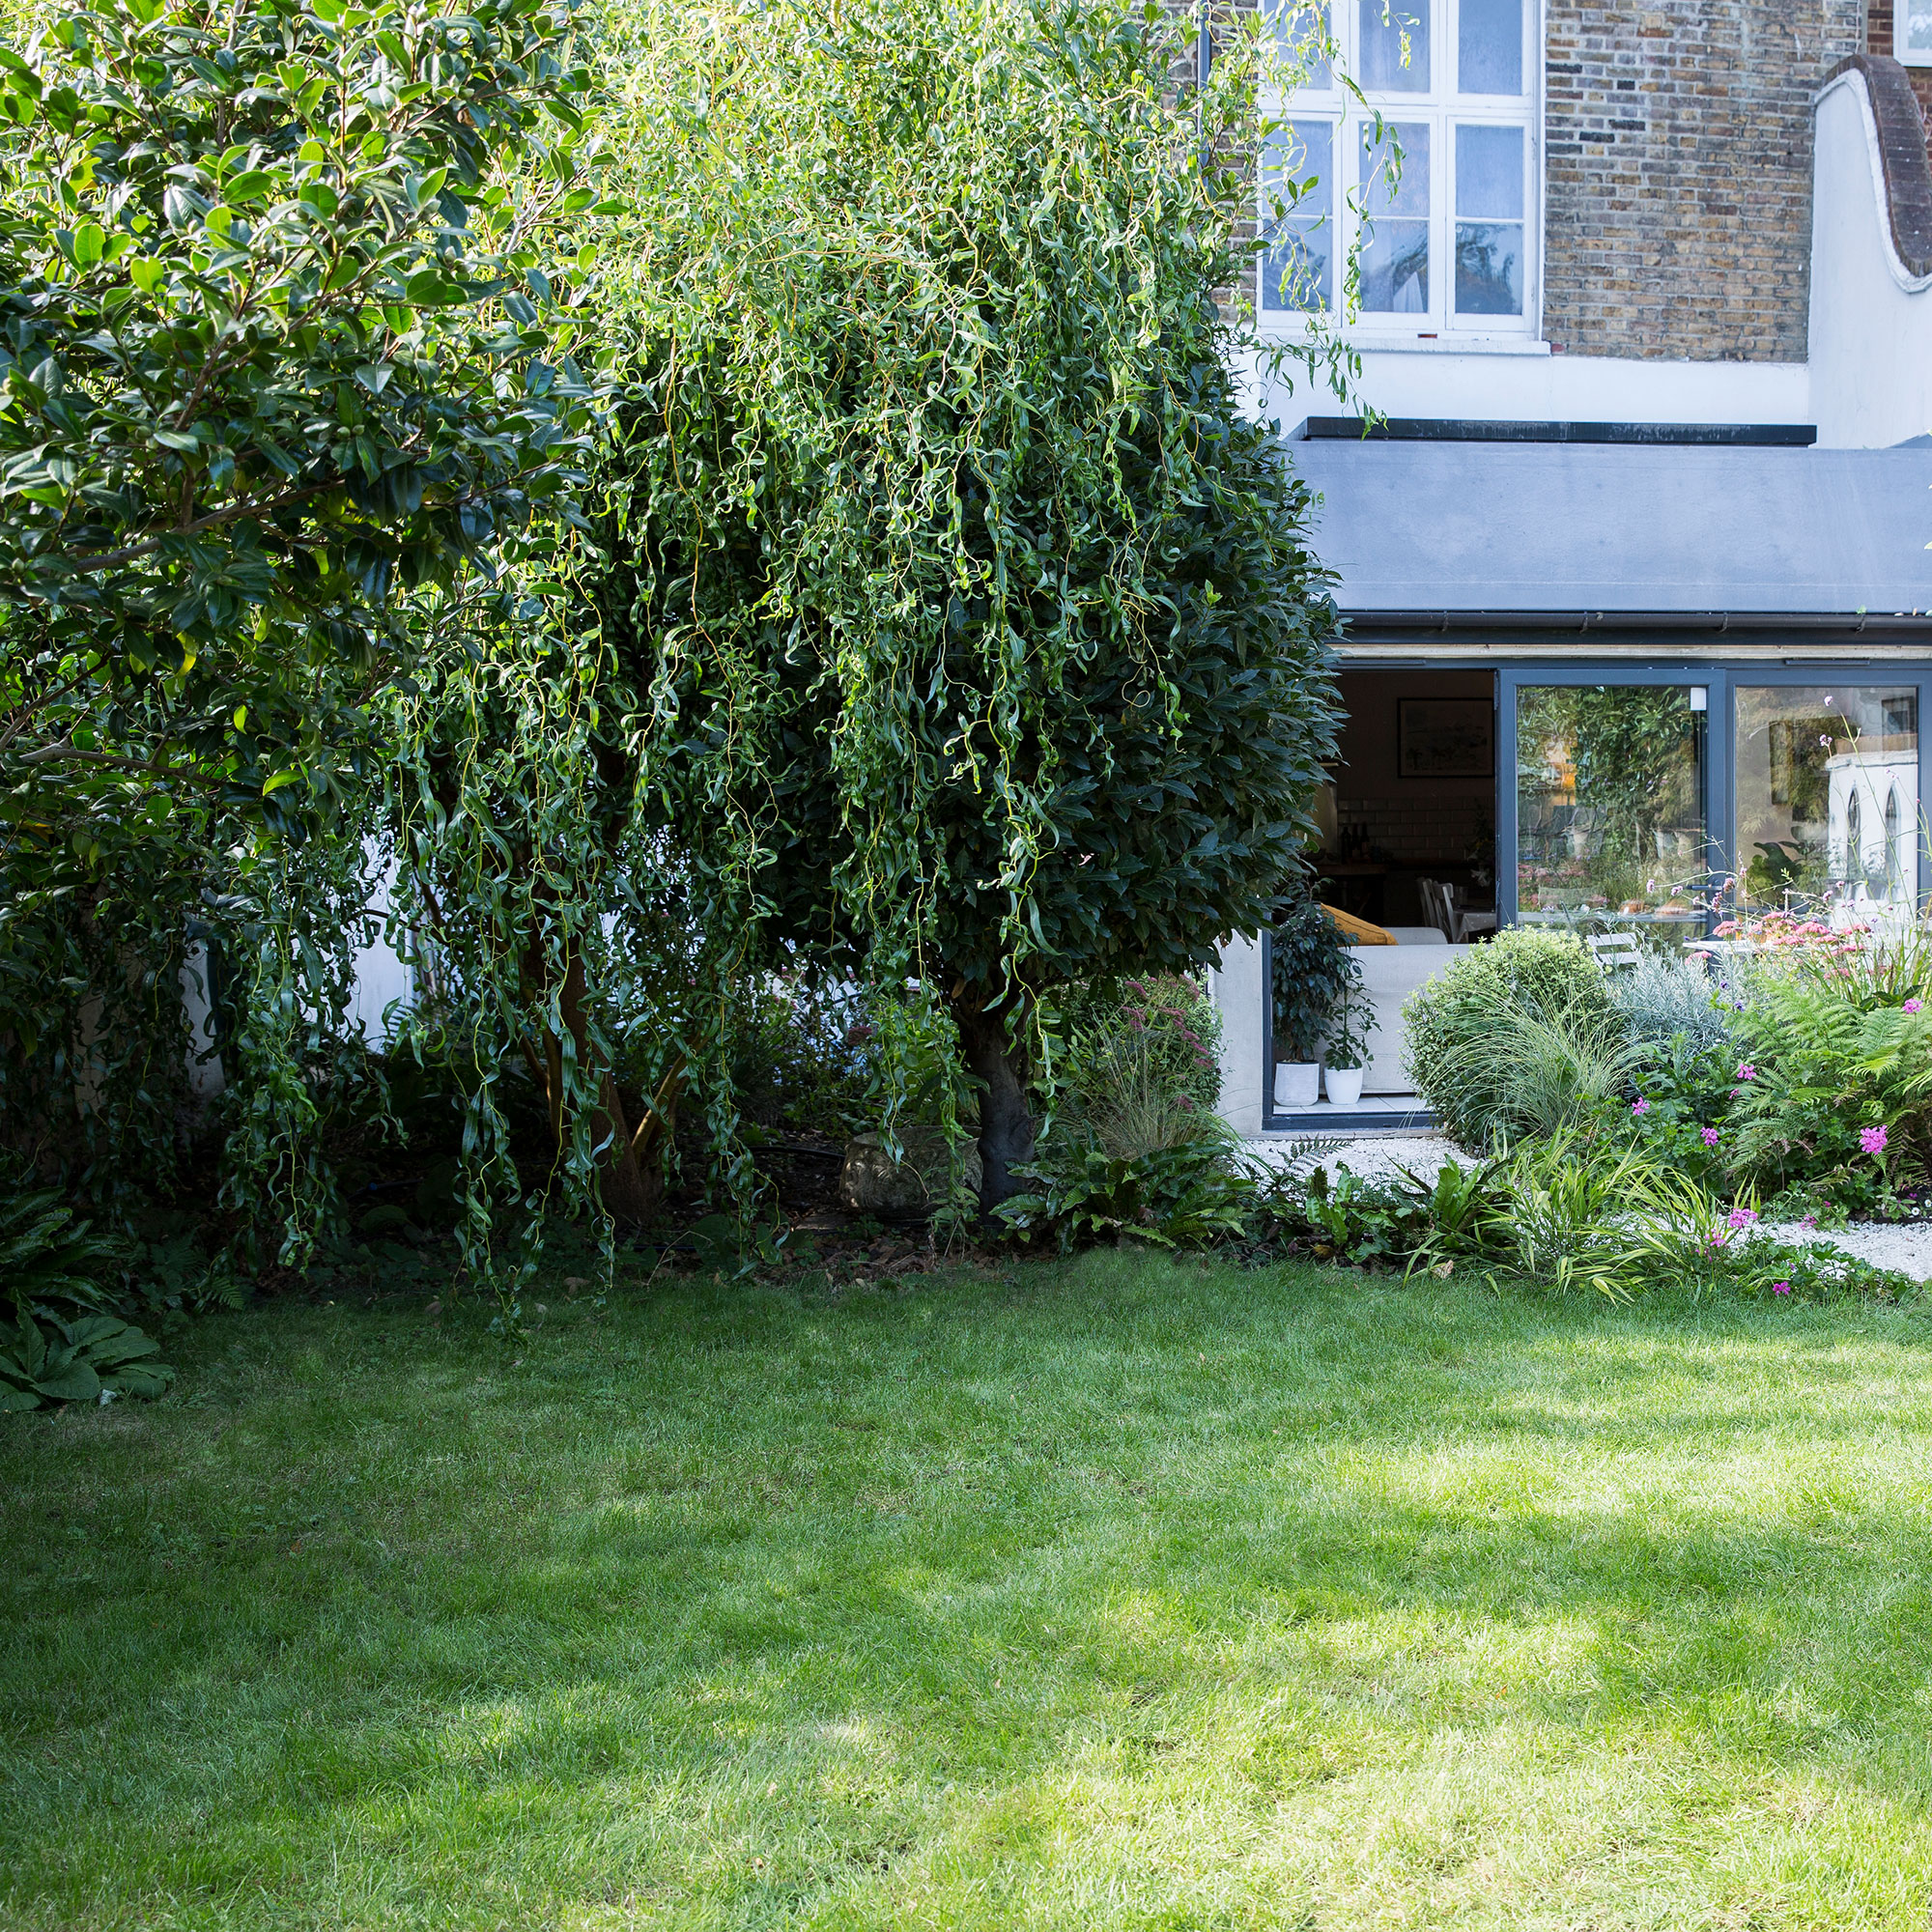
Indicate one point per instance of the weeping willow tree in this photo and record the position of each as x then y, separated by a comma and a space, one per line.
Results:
971, 631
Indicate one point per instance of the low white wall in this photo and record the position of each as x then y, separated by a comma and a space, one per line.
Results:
1541, 387
1871, 319
1389, 975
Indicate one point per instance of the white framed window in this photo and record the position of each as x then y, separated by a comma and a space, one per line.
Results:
1912, 32
1436, 168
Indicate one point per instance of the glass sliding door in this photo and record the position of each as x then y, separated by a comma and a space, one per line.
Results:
1826, 794
1609, 806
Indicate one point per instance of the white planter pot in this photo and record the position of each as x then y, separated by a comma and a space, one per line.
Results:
1297, 1083
1345, 1083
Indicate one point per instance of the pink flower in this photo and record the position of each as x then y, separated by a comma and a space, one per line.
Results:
1747, 1071
1640, 1105
1809, 1221
1741, 1217
1915, 1005
1780, 1288
1872, 1139
1710, 1137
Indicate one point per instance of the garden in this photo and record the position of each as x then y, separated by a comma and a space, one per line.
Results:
714, 557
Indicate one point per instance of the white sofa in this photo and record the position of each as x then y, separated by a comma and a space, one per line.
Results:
1390, 974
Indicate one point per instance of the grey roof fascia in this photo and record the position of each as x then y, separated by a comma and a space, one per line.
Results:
1531, 532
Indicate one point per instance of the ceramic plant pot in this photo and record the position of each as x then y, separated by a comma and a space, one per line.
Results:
1297, 1084
1344, 1085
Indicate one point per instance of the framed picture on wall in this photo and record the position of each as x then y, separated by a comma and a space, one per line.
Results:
1445, 737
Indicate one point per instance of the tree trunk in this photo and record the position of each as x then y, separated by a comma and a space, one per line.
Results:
1006, 1121
631, 1190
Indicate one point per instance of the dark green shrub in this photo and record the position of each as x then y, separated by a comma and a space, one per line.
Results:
1315, 977
62, 1345
1188, 1194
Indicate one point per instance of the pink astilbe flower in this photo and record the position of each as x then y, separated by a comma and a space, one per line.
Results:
1872, 1140
1710, 1136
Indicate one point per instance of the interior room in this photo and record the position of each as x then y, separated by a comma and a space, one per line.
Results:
1408, 844
1411, 801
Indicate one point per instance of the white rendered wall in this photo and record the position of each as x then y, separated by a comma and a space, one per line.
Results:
1236, 987
1871, 320
1523, 386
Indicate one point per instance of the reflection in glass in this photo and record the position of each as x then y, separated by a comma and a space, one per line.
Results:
1395, 46
1489, 47
1489, 220
1395, 208
1300, 27
1298, 177
1827, 793
1610, 803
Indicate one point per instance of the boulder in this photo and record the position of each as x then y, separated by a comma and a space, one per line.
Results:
871, 1183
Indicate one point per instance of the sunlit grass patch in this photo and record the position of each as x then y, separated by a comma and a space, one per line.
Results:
1108, 1592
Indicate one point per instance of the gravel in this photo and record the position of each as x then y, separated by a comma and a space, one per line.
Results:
1386, 1157
1906, 1248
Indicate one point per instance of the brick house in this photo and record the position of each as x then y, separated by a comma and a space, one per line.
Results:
1635, 568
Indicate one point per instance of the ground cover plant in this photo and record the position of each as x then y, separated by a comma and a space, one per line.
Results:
1121, 1592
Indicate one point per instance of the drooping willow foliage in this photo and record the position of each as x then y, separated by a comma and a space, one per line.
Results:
979, 630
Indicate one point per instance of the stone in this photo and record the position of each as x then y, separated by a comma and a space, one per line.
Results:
871, 1183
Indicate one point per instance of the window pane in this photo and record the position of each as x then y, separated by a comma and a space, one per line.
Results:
1298, 23
1297, 262
1609, 806
1489, 47
1488, 174
1827, 793
1915, 31
1395, 46
1395, 208
1489, 220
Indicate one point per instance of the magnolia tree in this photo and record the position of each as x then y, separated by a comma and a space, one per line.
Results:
971, 629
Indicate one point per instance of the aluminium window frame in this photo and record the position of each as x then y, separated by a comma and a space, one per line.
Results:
1720, 679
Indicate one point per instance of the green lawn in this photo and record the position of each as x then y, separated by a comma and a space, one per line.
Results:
1118, 1593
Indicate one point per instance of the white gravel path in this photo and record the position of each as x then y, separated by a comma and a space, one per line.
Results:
1884, 1244
1908, 1249
1370, 1157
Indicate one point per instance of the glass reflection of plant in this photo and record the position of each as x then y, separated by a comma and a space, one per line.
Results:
1827, 853
1608, 813
1486, 274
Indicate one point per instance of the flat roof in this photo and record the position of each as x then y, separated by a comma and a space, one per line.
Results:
1416, 526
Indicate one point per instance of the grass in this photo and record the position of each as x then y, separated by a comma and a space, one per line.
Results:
1118, 1593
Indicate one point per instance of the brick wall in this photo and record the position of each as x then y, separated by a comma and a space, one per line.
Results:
1678, 143
1878, 40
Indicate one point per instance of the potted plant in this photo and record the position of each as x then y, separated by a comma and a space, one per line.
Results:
1347, 1055
1315, 971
